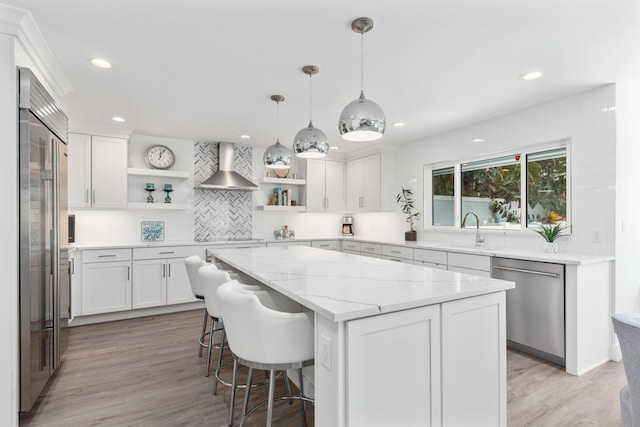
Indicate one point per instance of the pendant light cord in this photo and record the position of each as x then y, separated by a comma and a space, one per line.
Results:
278, 121
361, 60
310, 100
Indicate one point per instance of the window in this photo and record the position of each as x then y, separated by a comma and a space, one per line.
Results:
524, 187
491, 189
547, 187
442, 188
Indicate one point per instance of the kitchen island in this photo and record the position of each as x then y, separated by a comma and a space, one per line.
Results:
395, 344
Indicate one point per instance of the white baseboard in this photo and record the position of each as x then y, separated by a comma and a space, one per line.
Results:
133, 314
615, 353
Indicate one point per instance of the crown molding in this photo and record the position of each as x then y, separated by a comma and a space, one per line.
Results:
19, 23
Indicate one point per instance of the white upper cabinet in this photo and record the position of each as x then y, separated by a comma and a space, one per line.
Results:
363, 184
97, 171
325, 186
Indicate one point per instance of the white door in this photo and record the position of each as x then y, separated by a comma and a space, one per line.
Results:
315, 185
149, 283
354, 185
106, 287
108, 172
178, 286
334, 186
79, 183
371, 183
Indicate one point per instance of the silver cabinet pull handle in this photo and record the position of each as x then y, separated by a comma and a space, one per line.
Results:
86, 195
395, 252
169, 270
522, 270
167, 252
93, 196
164, 270
128, 273
106, 256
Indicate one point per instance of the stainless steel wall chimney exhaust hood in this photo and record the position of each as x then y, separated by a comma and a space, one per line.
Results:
226, 178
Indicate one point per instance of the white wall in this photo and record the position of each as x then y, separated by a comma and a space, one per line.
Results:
579, 119
627, 244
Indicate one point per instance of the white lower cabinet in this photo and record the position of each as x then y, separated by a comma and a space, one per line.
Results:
388, 345
286, 243
106, 281
160, 277
480, 265
331, 245
474, 374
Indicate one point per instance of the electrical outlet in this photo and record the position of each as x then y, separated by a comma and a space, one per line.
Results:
596, 236
325, 352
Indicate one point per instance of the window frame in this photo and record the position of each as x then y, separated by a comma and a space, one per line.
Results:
524, 152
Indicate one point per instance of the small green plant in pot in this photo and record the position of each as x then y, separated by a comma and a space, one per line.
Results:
551, 233
405, 199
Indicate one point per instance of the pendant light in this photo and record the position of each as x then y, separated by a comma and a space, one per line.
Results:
277, 156
362, 119
310, 142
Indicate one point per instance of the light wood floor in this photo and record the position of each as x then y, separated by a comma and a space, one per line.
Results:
146, 372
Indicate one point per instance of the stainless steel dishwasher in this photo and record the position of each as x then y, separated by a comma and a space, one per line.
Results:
535, 307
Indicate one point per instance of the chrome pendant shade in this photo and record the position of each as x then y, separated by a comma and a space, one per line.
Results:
362, 119
277, 156
310, 142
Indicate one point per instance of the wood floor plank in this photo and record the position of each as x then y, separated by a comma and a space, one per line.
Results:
146, 372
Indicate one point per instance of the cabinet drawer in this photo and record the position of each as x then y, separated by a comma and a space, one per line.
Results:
474, 262
431, 264
106, 255
331, 245
371, 248
397, 259
397, 252
167, 252
351, 246
290, 243
428, 255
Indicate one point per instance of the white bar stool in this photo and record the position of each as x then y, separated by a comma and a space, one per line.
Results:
265, 330
193, 264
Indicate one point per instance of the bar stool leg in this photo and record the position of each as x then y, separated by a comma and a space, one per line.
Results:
302, 402
247, 391
287, 386
204, 331
272, 389
233, 390
213, 326
219, 365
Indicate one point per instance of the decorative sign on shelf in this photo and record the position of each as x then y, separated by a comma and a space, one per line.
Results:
152, 231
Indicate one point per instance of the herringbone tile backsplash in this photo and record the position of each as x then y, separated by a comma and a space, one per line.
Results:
221, 214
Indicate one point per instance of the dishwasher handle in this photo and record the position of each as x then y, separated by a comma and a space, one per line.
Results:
522, 270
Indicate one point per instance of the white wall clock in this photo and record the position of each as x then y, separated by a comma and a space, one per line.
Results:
159, 157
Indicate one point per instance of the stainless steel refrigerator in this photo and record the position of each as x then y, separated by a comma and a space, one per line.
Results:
44, 261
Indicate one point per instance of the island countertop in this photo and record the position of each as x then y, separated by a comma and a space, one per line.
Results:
342, 286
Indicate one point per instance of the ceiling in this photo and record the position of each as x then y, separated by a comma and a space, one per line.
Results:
204, 70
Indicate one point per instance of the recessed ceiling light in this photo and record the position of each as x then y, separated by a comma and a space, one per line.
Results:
101, 63
532, 75
117, 119
477, 140
334, 147
244, 136
398, 124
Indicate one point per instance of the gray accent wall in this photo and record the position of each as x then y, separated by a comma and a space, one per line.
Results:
221, 214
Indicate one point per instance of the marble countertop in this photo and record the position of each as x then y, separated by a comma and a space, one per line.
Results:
342, 286
524, 254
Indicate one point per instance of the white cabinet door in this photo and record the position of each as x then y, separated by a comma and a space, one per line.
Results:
354, 173
408, 341
363, 184
79, 152
371, 183
108, 172
106, 287
178, 286
474, 366
325, 186
334, 186
315, 190
97, 171
149, 283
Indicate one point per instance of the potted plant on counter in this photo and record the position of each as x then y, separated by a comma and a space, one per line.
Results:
405, 199
551, 233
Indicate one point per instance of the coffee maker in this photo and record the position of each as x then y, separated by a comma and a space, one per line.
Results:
347, 226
